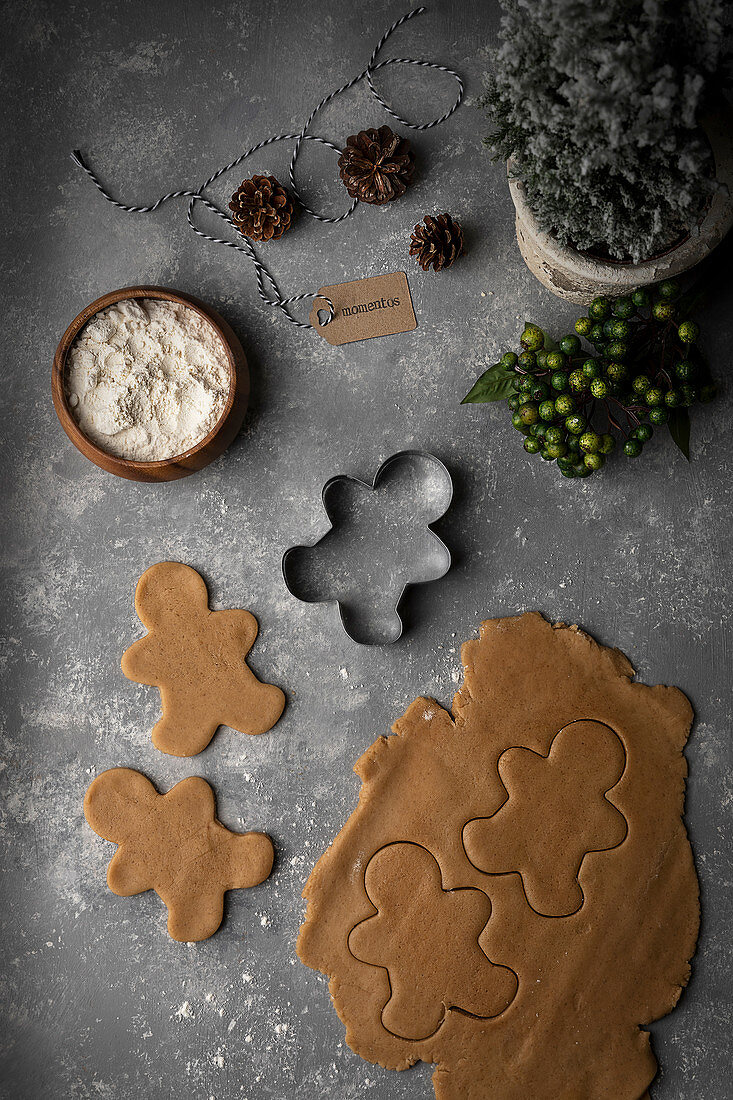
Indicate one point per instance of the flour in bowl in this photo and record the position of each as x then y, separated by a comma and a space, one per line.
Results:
147, 379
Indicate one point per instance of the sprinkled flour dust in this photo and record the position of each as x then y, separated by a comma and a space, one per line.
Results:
147, 379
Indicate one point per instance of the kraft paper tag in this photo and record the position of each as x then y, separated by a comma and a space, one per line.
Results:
364, 308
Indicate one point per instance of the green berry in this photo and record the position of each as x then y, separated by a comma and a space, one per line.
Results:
577, 381
567, 471
564, 404
591, 368
640, 298
527, 360
607, 328
672, 399
669, 289
618, 349
590, 442
596, 334
594, 461
540, 391
556, 450
532, 445
576, 423
513, 402
607, 443
556, 360
641, 384
685, 370
654, 396
528, 414
573, 444
633, 448
581, 470
616, 372
547, 410
538, 430
663, 311
644, 433
554, 435
658, 416
532, 338
570, 344
545, 453
508, 360
688, 332
559, 381
526, 382
599, 309
518, 422
688, 395
707, 393
517, 382
599, 388
583, 326
623, 307
620, 329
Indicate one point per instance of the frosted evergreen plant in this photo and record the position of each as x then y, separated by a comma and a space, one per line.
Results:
598, 105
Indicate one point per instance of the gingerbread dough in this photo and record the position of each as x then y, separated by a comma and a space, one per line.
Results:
195, 657
172, 843
568, 769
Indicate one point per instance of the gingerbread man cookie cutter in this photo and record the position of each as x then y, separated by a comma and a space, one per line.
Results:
380, 542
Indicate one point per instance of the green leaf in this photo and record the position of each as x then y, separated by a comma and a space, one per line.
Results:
689, 302
494, 383
679, 429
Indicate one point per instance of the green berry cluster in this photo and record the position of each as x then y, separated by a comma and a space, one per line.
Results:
574, 408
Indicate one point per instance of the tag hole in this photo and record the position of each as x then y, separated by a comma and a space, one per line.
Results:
323, 315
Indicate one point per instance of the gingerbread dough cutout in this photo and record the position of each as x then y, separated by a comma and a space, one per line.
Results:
544, 712
195, 657
556, 812
172, 843
428, 942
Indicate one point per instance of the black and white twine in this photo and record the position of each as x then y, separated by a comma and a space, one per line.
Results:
268, 289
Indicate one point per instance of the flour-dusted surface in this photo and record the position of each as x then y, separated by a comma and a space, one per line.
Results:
147, 379
96, 1002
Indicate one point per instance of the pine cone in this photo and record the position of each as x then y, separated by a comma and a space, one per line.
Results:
262, 209
439, 242
376, 165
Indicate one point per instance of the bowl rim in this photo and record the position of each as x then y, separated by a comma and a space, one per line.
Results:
81, 441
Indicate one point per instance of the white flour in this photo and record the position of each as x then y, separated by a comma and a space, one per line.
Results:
147, 379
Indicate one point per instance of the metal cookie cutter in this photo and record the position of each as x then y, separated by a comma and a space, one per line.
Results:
380, 542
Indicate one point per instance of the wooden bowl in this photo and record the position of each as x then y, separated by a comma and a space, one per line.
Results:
210, 447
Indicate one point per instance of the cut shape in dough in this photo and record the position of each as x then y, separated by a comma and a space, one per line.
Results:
557, 811
427, 939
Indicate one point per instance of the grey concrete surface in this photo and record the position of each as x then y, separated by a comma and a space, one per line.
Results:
96, 1000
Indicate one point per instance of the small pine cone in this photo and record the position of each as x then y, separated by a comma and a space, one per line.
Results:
439, 242
262, 209
376, 165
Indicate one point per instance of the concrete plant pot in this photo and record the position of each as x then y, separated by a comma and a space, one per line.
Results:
579, 277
